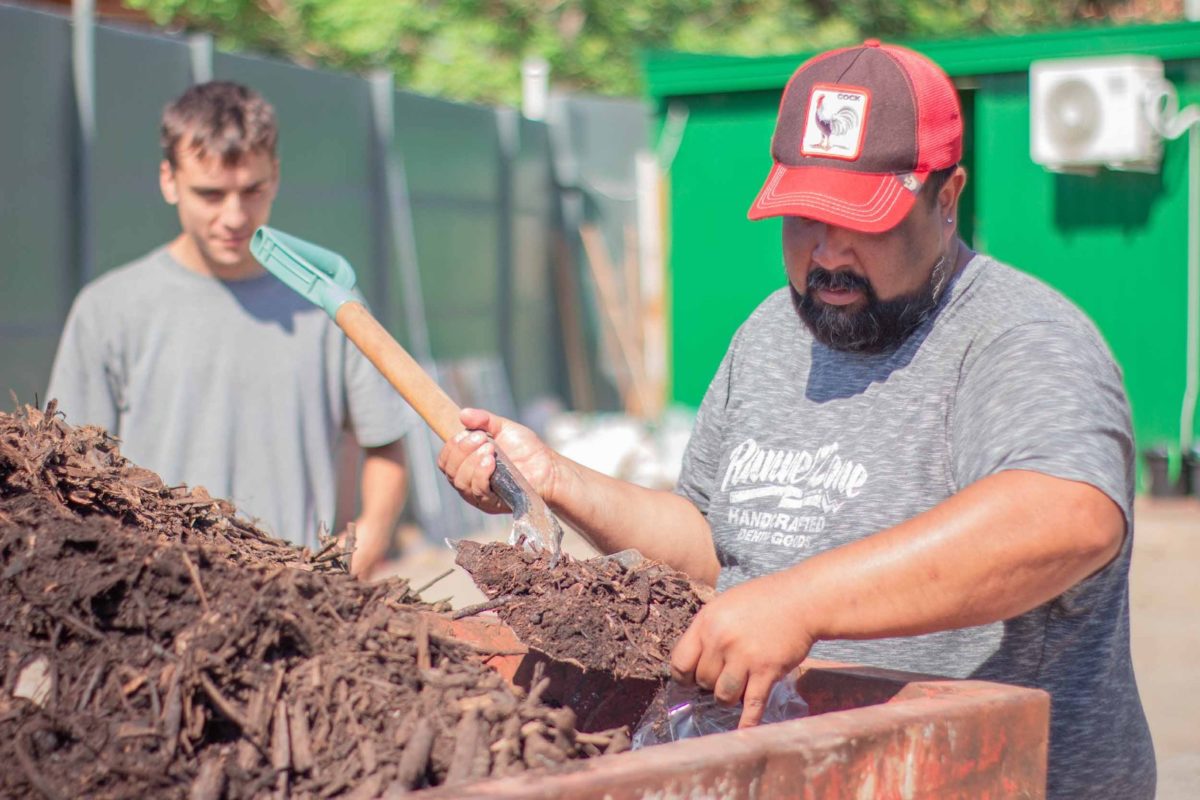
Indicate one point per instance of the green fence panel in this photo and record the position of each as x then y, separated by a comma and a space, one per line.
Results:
535, 363
37, 276
136, 76
451, 155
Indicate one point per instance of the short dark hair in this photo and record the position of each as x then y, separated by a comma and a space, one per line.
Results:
935, 182
219, 118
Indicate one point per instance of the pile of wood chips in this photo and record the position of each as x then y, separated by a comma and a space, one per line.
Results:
153, 643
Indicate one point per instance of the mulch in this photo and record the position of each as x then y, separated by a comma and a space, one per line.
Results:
154, 643
597, 614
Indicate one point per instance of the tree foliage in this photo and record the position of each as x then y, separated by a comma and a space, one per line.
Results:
472, 49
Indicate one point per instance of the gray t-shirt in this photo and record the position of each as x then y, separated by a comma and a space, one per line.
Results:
799, 448
241, 387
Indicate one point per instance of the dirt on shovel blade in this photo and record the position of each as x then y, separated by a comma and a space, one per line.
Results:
153, 644
596, 614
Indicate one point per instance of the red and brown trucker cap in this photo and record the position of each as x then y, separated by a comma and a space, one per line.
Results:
859, 131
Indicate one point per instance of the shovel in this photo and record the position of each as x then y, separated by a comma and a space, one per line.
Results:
327, 280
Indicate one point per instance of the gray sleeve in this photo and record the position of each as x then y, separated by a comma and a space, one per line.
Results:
701, 459
87, 378
378, 414
1045, 397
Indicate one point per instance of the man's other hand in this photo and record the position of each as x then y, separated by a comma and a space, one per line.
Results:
740, 644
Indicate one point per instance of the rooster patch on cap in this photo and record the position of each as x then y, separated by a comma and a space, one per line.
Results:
836, 122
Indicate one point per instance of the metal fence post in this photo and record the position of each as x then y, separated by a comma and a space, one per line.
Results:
384, 242
200, 52
508, 128
83, 70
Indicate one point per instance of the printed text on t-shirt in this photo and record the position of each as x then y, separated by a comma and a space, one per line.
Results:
818, 482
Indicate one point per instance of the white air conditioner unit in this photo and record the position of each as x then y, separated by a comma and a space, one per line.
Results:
1087, 113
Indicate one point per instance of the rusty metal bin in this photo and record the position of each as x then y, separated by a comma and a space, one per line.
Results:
871, 733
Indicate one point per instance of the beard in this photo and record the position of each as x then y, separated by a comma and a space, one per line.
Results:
882, 325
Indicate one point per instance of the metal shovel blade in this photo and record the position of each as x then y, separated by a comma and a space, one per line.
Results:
533, 521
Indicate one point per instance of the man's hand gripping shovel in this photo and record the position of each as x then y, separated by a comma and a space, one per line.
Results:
327, 280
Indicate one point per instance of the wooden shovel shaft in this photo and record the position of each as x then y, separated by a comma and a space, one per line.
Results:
531, 517
402, 370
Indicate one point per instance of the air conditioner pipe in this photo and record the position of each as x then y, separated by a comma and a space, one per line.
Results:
1192, 386
1171, 123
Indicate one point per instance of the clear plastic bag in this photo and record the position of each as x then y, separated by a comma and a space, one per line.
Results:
681, 712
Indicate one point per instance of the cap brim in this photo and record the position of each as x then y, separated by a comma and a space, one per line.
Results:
866, 202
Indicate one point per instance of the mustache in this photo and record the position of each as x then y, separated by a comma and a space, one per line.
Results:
841, 280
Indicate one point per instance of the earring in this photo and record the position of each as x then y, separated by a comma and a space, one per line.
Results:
949, 219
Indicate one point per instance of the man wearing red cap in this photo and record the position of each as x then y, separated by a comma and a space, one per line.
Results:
912, 456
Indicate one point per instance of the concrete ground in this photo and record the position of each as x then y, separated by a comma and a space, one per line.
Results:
1165, 621
1165, 608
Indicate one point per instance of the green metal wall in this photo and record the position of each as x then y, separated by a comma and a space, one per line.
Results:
1115, 244
721, 264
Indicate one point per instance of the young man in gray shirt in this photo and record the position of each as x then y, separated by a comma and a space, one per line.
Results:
912, 456
212, 372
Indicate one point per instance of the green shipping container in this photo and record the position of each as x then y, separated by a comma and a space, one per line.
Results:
1115, 243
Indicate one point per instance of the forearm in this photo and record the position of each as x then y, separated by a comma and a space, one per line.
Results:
616, 515
384, 485
994, 550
